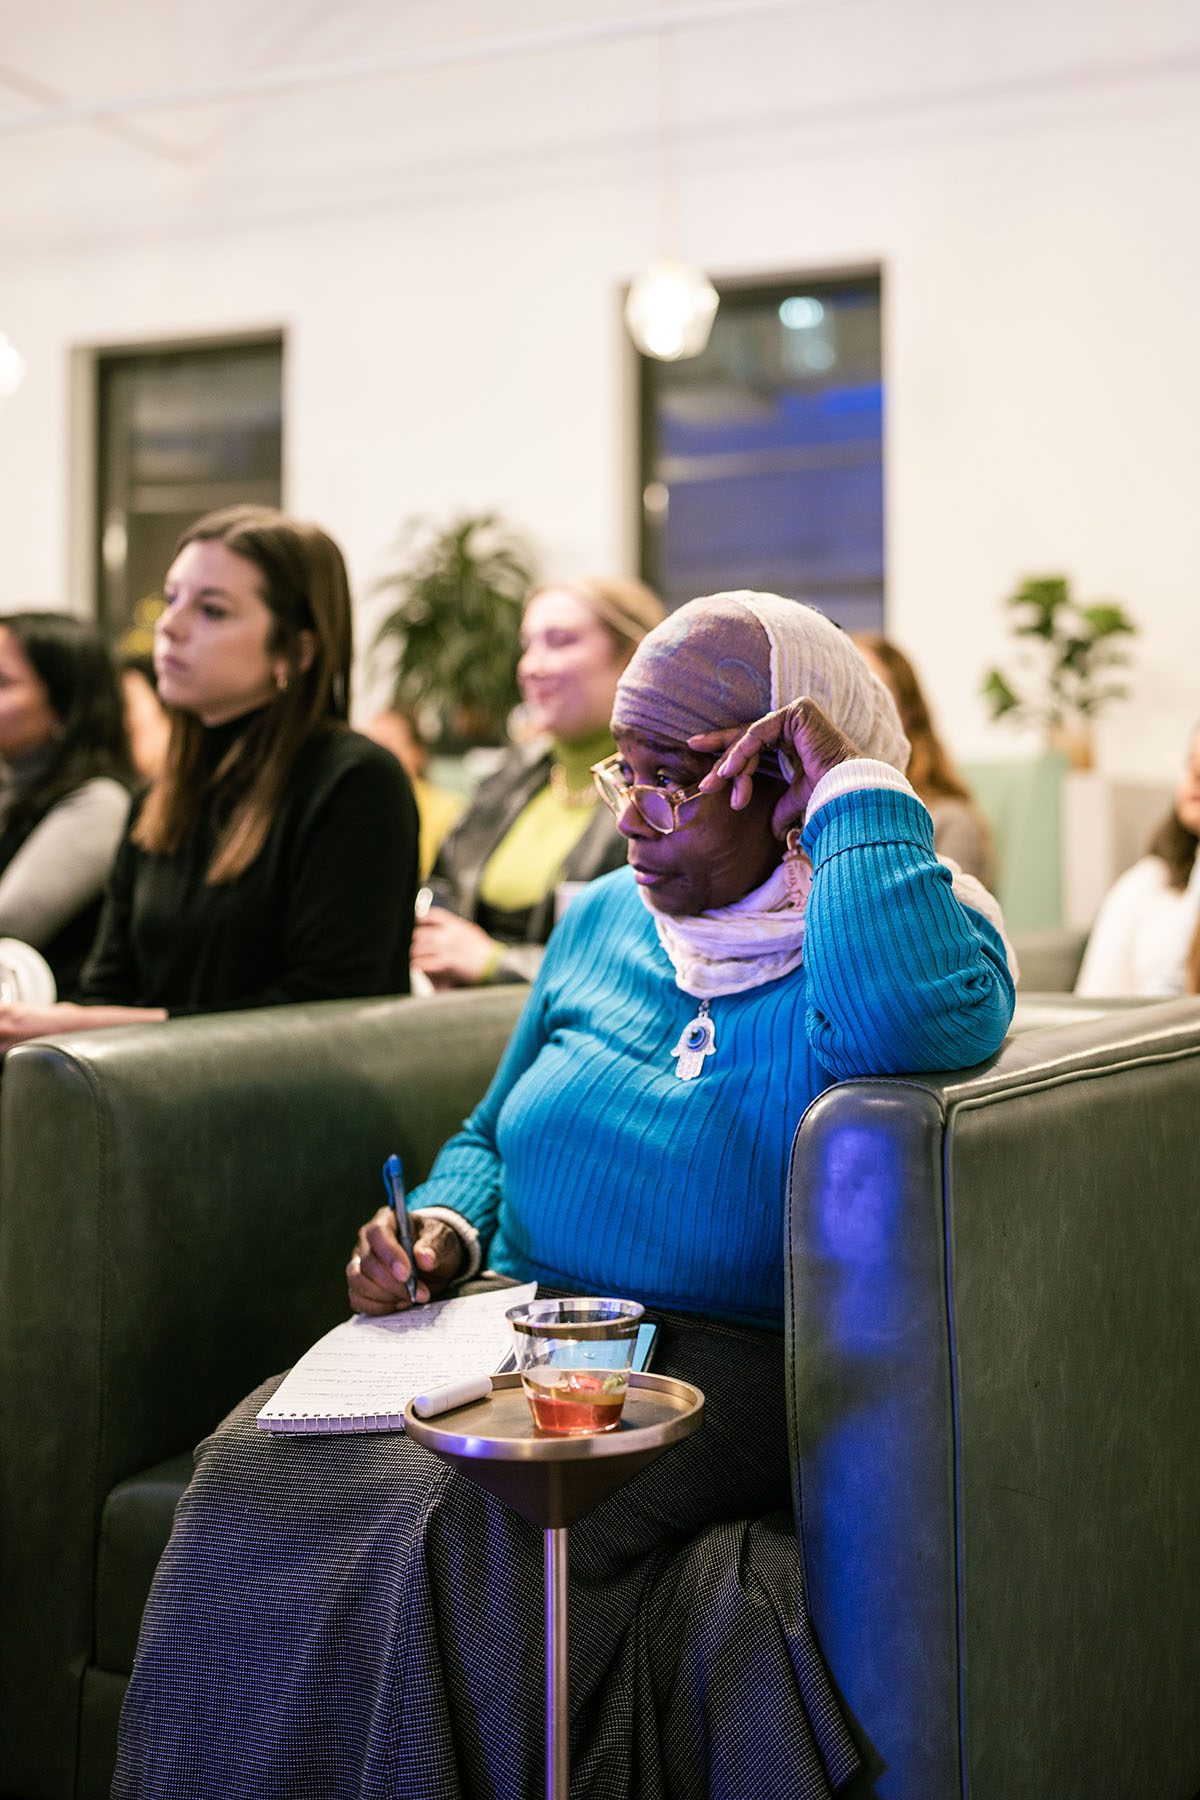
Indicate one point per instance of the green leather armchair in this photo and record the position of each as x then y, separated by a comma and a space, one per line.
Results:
994, 1322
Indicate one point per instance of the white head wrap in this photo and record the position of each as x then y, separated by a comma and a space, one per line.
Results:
727, 660
707, 666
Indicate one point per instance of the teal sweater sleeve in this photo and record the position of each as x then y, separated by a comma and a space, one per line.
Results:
901, 975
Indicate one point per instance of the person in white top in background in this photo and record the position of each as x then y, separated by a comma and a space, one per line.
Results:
65, 779
1146, 939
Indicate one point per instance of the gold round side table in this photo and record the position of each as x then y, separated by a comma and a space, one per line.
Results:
552, 1481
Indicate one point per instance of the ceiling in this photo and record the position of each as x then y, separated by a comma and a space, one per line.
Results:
116, 99
130, 114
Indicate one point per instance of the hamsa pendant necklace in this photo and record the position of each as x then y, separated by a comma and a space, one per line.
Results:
697, 1040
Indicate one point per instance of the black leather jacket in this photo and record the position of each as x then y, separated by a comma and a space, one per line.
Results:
497, 804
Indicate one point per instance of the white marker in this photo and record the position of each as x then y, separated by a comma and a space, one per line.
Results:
454, 1393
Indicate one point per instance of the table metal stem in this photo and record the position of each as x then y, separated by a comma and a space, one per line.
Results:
558, 1714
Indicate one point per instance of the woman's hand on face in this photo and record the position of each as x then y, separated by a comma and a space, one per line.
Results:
452, 952
810, 740
377, 1273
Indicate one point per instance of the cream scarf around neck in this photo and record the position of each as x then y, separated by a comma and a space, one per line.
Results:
732, 948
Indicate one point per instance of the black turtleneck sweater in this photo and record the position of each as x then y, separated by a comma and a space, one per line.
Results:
324, 912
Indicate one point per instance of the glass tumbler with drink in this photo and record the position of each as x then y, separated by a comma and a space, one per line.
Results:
574, 1357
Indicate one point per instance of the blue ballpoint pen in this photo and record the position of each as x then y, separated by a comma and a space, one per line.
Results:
393, 1181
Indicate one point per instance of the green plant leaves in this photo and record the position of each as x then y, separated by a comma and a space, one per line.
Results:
1107, 620
1066, 672
998, 694
457, 622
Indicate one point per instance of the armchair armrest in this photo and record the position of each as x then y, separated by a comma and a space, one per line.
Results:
994, 1332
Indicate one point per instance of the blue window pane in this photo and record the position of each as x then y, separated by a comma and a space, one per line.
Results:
763, 458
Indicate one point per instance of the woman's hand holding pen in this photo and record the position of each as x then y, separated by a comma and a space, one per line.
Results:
377, 1274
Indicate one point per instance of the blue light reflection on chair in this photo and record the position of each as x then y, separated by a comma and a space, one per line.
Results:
872, 1396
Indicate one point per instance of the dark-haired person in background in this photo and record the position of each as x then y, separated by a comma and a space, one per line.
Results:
398, 730
274, 859
147, 721
1146, 939
65, 794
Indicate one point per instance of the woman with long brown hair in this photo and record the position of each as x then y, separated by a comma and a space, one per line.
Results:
960, 830
274, 858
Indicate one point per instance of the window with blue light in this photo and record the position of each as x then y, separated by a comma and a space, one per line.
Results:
762, 458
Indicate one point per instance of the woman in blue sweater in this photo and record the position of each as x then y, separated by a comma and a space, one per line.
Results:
784, 922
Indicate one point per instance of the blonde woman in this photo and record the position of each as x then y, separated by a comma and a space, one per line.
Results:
536, 828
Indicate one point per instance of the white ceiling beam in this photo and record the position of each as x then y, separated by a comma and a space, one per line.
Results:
49, 99
119, 107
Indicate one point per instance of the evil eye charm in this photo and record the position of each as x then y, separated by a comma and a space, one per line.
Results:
697, 1040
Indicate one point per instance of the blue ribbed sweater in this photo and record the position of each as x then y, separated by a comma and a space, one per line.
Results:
590, 1166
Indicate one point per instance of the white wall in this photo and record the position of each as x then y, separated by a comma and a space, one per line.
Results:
446, 254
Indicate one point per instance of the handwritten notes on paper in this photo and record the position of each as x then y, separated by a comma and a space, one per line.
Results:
362, 1374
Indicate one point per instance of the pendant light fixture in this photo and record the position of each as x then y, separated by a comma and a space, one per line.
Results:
670, 308
12, 367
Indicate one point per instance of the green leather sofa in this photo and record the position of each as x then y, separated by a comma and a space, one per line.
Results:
995, 1325
177, 1206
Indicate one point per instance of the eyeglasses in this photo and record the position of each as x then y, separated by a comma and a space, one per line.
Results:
657, 807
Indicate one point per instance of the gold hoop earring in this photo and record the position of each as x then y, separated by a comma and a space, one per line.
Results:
282, 680
797, 871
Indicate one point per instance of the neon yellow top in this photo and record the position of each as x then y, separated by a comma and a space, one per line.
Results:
437, 809
525, 864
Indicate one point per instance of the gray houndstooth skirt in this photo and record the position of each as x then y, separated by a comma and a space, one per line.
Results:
346, 1617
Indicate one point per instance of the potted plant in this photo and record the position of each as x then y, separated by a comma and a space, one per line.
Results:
456, 626
1070, 655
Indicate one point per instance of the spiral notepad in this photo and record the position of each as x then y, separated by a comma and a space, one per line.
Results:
361, 1375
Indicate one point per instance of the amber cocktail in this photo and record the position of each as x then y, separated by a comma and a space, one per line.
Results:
574, 1358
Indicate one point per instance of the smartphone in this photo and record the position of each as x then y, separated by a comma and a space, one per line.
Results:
643, 1351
